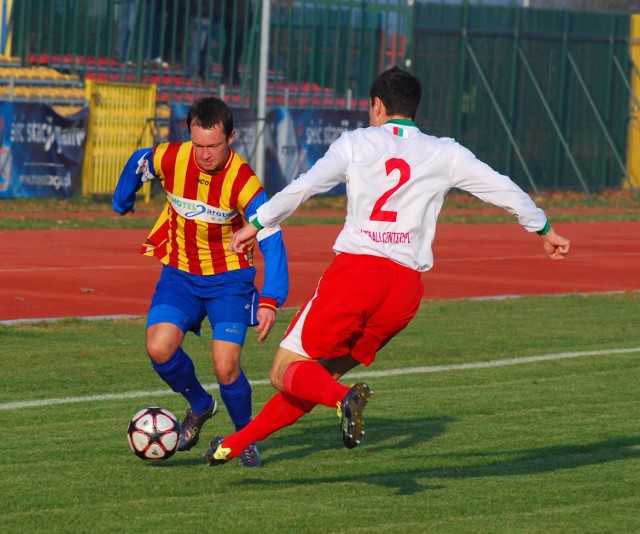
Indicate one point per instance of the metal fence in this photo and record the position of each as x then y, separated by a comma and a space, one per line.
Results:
541, 95
320, 52
544, 96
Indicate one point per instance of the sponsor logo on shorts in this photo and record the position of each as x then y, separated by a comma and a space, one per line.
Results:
233, 329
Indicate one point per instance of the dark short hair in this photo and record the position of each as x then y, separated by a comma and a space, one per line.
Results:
208, 112
399, 90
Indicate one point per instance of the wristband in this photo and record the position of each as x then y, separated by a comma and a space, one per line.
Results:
255, 223
545, 229
268, 303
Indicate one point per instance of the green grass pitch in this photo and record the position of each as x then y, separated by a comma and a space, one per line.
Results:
506, 416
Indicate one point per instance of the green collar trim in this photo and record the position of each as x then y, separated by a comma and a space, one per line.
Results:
402, 122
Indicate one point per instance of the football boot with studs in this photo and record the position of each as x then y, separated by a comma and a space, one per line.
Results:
250, 456
192, 424
216, 454
350, 413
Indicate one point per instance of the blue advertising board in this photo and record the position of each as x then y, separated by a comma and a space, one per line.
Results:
301, 137
41, 152
295, 138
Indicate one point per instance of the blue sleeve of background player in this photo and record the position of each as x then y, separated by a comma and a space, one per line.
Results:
138, 170
276, 269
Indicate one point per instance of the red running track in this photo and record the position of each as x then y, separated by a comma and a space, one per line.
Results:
92, 273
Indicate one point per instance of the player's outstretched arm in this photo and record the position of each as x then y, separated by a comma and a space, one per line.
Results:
243, 238
556, 246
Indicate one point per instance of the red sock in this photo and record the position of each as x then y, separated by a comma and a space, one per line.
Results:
308, 380
281, 410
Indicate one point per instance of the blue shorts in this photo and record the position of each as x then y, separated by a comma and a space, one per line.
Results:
230, 301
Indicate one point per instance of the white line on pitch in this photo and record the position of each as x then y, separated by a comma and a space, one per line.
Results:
362, 374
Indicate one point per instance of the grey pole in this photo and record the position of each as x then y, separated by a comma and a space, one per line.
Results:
262, 88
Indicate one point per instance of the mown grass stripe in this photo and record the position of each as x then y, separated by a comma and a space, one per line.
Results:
361, 374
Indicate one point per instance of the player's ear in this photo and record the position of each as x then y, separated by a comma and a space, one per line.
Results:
231, 137
379, 107
377, 112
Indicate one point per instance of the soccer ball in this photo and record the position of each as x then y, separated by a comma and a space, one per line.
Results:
153, 434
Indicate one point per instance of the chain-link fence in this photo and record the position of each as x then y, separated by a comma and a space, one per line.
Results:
542, 95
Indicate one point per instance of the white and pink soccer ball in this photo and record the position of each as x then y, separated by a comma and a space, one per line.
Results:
153, 434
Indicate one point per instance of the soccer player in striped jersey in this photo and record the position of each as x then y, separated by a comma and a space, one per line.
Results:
212, 193
396, 180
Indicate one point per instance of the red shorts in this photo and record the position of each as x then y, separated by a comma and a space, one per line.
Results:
361, 302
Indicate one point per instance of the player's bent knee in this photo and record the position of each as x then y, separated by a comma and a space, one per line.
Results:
227, 369
276, 380
226, 375
283, 359
160, 348
161, 344
158, 353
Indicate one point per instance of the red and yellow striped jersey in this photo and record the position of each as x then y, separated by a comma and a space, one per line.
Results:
202, 211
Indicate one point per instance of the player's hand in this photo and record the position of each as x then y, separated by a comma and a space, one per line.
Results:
266, 320
131, 210
143, 167
556, 246
242, 239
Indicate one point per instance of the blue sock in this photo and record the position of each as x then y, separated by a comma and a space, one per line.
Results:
237, 398
180, 374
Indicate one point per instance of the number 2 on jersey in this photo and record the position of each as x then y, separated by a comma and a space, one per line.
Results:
377, 213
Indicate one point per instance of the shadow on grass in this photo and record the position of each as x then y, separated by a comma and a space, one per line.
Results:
546, 459
428, 472
464, 466
307, 437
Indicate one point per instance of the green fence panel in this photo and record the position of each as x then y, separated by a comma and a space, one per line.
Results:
541, 95
514, 96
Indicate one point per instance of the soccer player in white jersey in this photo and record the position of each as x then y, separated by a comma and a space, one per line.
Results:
396, 180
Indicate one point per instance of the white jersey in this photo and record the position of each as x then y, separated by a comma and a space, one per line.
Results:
396, 181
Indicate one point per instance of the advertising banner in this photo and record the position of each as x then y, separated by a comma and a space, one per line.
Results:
41, 152
294, 138
301, 137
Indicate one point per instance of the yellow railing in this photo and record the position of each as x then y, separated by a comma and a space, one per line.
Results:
120, 121
5, 30
633, 148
